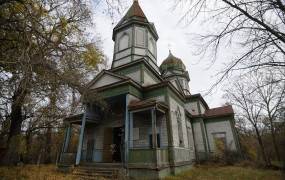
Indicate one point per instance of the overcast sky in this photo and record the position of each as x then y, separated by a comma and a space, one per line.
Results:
173, 35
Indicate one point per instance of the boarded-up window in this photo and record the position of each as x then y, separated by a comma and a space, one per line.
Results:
140, 37
190, 138
124, 42
151, 46
136, 133
220, 140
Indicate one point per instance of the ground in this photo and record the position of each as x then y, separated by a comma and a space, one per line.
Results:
217, 172
33, 172
202, 172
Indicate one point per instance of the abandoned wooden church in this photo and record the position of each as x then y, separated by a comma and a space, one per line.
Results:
152, 126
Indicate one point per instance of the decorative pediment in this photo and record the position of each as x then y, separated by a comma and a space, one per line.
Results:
105, 78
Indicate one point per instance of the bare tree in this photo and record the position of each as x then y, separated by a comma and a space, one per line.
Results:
249, 111
271, 97
254, 29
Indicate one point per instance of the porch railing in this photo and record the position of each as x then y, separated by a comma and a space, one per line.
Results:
68, 158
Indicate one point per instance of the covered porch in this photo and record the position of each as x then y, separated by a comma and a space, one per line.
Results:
131, 132
100, 134
148, 140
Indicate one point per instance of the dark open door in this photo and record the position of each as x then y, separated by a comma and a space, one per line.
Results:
107, 153
90, 149
117, 144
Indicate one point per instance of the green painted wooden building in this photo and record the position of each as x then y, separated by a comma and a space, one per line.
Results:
152, 125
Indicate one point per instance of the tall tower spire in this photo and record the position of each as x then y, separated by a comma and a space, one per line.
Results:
135, 38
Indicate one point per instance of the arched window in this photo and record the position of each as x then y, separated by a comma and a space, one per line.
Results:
124, 42
179, 124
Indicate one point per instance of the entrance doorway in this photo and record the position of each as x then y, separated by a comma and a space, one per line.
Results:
90, 150
117, 144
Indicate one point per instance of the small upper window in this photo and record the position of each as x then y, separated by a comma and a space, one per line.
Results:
124, 42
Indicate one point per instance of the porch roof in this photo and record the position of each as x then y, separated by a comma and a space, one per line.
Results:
77, 118
135, 105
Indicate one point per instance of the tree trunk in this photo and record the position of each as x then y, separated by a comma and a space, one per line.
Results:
14, 137
275, 143
28, 147
260, 142
48, 146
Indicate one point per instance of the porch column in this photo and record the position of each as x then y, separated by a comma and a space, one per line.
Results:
171, 154
126, 131
131, 129
154, 130
79, 148
154, 136
66, 141
67, 138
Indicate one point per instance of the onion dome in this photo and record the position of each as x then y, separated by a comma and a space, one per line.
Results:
172, 63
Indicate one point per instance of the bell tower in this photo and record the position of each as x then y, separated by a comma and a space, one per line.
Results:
135, 38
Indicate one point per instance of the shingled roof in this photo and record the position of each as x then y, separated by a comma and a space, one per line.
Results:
219, 111
135, 11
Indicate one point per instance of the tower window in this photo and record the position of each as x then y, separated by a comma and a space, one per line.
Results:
140, 37
181, 83
124, 41
151, 46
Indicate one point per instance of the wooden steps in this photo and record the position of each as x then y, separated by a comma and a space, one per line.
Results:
98, 171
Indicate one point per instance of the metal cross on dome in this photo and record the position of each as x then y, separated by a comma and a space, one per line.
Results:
169, 47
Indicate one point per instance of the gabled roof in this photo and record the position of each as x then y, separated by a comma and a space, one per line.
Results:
219, 111
197, 96
104, 72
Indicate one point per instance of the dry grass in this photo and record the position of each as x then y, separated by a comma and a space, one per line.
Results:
214, 172
33, 172
202, 172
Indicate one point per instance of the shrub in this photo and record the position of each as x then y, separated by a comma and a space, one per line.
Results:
223, 154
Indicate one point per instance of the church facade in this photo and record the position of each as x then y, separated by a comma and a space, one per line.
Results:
150, 123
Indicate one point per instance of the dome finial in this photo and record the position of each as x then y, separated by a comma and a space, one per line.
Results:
169, 48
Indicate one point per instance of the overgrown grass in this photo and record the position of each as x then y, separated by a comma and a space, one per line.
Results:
199, 172
33, 172
215, 172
